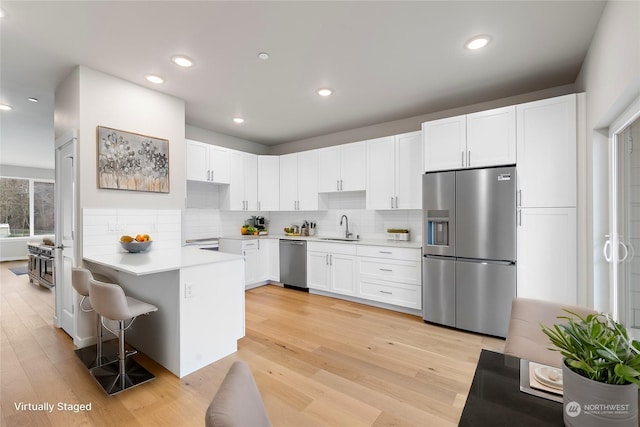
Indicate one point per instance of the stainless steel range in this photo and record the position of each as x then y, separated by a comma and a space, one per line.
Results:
41, 264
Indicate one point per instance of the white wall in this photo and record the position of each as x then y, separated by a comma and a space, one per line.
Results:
115, 103
610, 76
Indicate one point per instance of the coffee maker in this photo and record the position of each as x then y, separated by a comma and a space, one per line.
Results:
260, 223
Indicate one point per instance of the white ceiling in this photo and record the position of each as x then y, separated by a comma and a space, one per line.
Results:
385, 60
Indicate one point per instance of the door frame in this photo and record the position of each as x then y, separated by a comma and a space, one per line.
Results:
613, 243
68, 137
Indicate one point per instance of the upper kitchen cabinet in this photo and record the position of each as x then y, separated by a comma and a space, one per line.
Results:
207, 163
243, 188
342, 168
547, 152
394, 174
486, 138
299, 181
268, 183
445, 142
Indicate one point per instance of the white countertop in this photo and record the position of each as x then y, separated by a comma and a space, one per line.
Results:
370, 242
161, 260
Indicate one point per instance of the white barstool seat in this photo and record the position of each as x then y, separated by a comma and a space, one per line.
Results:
110, 302
91, 356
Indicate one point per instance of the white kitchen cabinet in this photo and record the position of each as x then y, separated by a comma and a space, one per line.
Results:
485, 138
243, 188
342, 168
268, 183
299, 181
270, 258
331, 267
445, 141
491, 137
547, 254
394, 172
390, 275
207, 163
547, 152
256, 257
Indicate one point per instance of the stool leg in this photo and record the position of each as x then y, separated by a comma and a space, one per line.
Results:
98, 340
122, 355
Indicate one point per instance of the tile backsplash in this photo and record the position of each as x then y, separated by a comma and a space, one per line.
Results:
369, 224
102, 228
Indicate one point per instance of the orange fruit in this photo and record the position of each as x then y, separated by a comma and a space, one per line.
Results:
139, 238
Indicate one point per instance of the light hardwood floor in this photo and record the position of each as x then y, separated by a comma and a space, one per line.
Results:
317, 361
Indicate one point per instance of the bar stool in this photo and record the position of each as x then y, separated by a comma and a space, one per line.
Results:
110, 302
92, 355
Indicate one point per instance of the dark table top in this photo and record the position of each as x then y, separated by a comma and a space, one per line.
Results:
495, 398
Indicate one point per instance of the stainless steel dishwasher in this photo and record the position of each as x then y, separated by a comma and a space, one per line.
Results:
293, 263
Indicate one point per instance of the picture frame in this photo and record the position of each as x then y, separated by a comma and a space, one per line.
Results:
131, 161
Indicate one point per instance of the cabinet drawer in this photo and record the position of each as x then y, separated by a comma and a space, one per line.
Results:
333, 248
250, 244
391, 293
408, 272
390, 252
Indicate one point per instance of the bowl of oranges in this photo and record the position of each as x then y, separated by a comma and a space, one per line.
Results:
140, 243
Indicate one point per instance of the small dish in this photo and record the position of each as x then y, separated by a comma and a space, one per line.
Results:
549, 376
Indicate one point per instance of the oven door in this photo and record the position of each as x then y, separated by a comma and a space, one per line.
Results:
33, 268
46, 271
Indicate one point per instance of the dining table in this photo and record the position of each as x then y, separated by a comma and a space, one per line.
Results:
496, 399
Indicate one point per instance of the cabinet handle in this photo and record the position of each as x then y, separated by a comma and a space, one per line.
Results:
468, 157
391, 202
520, 217
386, 292
519, 198
386, 269
385, 252
337, 185
258, 204
208, 175
212, 175
396, 202
326, 259
341, 185
330, 259
462, 164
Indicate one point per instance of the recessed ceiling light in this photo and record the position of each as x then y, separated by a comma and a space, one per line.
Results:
5, 107
238, 120
154, 78
183, 61
263, 55
32, 99
324, 91
478, 42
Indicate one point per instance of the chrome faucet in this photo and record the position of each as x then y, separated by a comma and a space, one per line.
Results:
346, 231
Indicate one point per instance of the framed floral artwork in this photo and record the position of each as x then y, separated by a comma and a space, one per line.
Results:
130, 161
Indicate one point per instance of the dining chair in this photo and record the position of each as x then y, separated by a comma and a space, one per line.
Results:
525, 338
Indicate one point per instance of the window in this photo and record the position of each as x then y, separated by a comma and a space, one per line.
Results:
26, 207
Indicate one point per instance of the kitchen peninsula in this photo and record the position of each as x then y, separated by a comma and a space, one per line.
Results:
200, 300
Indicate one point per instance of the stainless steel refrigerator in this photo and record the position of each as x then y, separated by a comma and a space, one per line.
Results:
469, 248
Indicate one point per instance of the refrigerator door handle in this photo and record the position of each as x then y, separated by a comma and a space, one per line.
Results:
486, 261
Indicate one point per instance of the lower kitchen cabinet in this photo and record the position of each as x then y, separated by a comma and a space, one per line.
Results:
390, 275
547, 260
257, 257
331, 267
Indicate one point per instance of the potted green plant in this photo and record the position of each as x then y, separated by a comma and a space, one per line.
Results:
601, 370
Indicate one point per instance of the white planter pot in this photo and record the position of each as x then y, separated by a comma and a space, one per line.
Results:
589, 403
